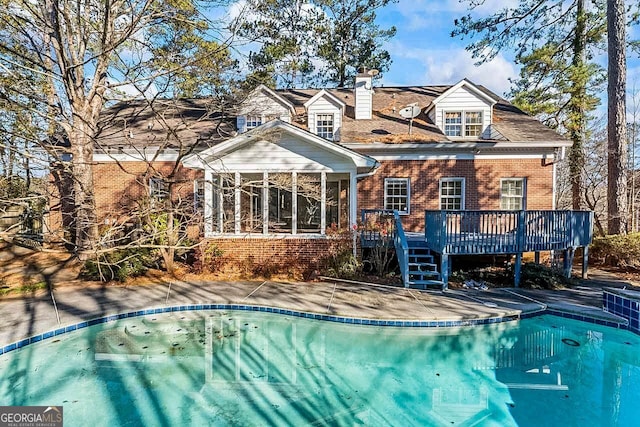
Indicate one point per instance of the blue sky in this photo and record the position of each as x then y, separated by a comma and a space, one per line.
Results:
423, 51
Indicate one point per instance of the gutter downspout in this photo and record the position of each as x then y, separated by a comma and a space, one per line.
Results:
372, 171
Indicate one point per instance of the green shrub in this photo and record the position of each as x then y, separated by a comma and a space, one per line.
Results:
617, 250
119, 265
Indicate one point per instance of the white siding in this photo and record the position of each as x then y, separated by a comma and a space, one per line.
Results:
463, 100
287, 154
432, 115
263, 105
363, 98
491, 133
324, 106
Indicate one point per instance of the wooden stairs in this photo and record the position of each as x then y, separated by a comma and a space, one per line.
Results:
423, 271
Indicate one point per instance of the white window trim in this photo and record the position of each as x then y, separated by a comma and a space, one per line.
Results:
158, 188
252, 119
333, 123
524, 191
463, 125
408, 181
445, 124
264, 118
216, 230
462, 190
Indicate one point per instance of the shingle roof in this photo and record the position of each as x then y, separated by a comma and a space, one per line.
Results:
165, 123
199, 122
388, 126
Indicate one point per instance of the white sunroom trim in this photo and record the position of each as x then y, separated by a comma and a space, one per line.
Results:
199, 160
237, 220
463, 156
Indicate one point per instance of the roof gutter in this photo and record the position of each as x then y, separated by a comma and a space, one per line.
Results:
372, 171
444, 145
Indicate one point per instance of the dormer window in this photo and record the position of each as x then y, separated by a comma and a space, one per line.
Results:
324, 112
457, 121
453, 123
261, 106
324, 126
253, 122
473, 123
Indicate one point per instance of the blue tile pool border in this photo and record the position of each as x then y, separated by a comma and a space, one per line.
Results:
307, 315
623, 304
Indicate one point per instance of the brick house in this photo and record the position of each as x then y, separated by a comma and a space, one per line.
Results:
293, 164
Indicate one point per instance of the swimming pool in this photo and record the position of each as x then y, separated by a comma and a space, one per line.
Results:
248, 368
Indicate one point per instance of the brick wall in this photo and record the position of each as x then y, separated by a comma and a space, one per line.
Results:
120, 186
482, 184
289, 254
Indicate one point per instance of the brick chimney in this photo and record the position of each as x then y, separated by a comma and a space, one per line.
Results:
364, 94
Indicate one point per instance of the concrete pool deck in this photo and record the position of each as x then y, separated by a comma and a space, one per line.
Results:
28, 316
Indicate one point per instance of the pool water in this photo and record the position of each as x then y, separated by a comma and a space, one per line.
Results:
246, 368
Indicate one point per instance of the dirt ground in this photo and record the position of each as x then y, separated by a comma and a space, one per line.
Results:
23, 268
25, 271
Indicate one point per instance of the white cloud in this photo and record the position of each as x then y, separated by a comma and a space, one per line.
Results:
426, 14
448, 66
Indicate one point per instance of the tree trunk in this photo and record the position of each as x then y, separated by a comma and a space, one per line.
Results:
617, 121
86, 226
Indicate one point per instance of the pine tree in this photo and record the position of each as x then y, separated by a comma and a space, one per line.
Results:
617, 120
554, 41
352, 39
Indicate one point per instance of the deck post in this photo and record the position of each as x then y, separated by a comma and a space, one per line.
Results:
536, 257
567, 262
517, 269
444, 270
585, 261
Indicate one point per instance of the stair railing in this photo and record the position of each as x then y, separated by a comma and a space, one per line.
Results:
402, 248
399, 238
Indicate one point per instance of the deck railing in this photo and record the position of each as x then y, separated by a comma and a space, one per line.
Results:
506, 232
371, 234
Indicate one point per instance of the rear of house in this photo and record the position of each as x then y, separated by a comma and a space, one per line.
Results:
294, 166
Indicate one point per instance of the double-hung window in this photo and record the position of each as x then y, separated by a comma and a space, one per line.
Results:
512, 194
324, 125
397, 193
463, 124
253, 122
452, 193
453, 123
472, 123
158, 189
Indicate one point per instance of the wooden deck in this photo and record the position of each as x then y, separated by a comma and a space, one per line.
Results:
506, 232
497, 232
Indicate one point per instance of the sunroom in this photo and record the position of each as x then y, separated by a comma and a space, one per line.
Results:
279, 180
